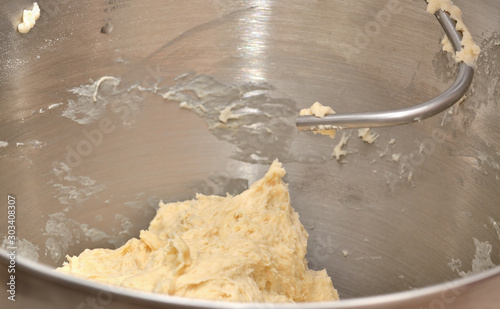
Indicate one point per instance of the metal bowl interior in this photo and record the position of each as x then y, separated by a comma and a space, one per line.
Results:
93, 135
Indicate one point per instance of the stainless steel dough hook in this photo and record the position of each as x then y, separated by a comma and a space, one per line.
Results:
406, 115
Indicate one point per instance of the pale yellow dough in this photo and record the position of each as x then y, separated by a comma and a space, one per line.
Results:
470, 51
368, 136
320, 111
29, 19
247, 248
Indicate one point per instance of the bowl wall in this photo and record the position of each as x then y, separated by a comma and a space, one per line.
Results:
95, 136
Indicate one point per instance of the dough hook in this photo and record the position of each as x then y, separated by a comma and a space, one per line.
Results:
406, 115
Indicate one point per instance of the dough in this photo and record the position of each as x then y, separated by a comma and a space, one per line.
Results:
248, 248
368, 136
227, 114
320, 111
470, 51
337, 150
29, 19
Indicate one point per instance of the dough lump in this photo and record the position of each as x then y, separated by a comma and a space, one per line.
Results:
470, 51
29, 19
320, 111
247, 248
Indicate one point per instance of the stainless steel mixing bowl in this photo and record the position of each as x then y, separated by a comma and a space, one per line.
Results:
410, 221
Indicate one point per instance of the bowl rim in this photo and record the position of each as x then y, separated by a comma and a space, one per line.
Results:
147, 298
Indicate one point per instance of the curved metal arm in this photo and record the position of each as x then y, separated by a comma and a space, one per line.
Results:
407, 115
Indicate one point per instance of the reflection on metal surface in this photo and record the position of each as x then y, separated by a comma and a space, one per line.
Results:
254, 35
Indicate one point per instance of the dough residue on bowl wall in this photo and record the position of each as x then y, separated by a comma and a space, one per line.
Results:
367, 135
338, 150
23, 247
249, 248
